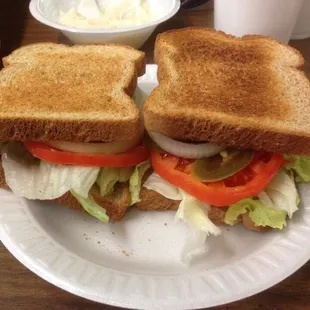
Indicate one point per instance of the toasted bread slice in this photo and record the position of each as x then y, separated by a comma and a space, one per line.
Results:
79, 94
243, 92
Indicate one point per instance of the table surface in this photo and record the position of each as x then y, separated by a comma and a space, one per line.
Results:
21, 289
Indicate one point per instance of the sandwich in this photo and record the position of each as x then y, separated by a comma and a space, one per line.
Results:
70, 131
229, 130
227, 133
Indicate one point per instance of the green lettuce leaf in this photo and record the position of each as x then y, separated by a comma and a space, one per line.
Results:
155, 183
300, 165
106, 180
37, 179
108, 177
91, 207
282, 193
136, 179
259, 214
195, 213
125, 174
191, 211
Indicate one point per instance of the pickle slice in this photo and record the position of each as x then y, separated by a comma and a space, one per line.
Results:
221, 166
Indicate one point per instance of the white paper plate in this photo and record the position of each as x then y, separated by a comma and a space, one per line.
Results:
135, 263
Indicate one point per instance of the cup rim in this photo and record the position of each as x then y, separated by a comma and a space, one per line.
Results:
37, 13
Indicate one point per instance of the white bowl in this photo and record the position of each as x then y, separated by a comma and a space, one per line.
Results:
47, 12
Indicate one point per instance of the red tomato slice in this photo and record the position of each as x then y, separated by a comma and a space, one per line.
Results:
45, 152
244, 184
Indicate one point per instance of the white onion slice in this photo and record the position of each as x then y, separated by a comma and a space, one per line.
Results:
265, 199
186, 150
108, 148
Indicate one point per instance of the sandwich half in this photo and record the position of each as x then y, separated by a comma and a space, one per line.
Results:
229, 128
69, 128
